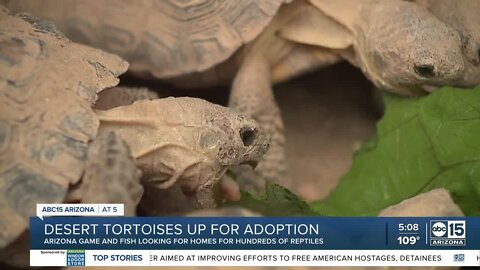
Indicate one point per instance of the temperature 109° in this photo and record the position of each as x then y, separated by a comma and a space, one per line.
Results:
408, 227
408, 240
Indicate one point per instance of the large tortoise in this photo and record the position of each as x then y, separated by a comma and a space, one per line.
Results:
49, 147
400, 46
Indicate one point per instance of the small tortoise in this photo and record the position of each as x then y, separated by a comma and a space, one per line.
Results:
170, 199
399, 45
462, 16
49, 147
185, 141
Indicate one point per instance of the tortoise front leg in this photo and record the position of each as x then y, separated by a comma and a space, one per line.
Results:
111, 175
252, 95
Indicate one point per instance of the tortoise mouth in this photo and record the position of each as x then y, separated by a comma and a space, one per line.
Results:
252, 163
411, 90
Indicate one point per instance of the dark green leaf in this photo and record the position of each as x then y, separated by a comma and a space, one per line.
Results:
421, 144
277, 201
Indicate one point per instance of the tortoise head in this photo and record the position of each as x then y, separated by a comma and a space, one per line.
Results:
463, 17
407, 50
399, 45
186, 141
225, 139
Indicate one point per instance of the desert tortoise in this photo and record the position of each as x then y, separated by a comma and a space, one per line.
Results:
46, 123
48, 85
463, 17
398, 45
172, 197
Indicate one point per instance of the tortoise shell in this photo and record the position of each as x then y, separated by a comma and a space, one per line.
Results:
165, 38
47, 87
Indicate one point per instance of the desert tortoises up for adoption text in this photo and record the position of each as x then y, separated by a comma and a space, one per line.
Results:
48, 131
399, 45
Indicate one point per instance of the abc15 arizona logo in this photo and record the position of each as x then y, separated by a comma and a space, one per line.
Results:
448, 233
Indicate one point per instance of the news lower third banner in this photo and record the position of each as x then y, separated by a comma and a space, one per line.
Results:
253, 241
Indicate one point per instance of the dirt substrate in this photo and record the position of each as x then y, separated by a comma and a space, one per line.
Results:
327, 114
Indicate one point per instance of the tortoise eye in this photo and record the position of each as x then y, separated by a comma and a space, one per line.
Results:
248, 135
426, 71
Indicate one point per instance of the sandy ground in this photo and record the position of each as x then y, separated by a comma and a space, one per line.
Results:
327, 115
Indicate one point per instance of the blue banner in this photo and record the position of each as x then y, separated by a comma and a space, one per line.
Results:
252, 233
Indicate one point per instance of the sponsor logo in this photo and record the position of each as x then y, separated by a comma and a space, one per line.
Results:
76, 257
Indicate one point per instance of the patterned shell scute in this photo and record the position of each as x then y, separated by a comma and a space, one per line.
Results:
47, 86
163, 38
193, 35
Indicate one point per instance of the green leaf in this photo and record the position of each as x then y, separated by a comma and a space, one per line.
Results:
421, 144
277, 201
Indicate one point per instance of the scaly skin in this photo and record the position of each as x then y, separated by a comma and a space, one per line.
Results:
252, 95
462, 16
400, 46
186, 141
